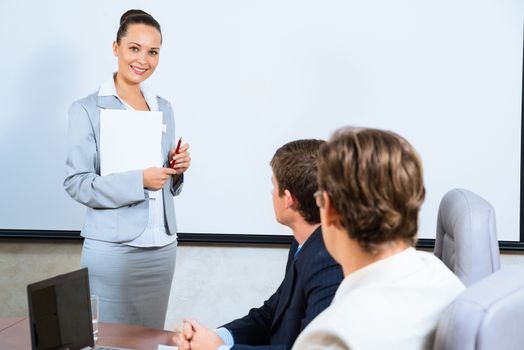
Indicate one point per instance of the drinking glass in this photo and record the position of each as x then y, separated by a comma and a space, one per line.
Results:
94, 314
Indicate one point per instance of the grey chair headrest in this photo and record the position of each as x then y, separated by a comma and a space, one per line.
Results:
466, 237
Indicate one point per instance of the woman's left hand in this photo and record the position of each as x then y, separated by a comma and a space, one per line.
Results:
182, 160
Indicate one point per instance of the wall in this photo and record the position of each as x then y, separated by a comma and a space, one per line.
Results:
206, 282
213, 283
26, 261
216, 283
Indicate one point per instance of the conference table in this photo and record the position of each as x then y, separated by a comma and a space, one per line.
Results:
14, 335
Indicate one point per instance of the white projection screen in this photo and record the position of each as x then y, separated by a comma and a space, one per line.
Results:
247, 76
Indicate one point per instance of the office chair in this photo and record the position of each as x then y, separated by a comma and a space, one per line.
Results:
466, 239
487, 315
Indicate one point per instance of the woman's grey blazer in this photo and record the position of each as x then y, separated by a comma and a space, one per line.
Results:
117, 204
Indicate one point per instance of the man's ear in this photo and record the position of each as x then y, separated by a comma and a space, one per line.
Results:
290, 200
332, 217
115, 48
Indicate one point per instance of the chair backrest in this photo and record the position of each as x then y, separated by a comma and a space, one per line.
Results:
466, 239
488, 315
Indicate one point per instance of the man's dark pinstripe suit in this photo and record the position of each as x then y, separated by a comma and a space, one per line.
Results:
311, 280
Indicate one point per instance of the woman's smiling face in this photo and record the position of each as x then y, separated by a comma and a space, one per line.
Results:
138, 53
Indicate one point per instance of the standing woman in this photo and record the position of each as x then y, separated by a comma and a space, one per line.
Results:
130, 225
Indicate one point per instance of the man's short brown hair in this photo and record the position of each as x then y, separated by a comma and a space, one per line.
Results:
295, 169
374, 179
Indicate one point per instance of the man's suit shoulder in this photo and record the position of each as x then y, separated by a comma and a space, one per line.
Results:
317, 266
316, 250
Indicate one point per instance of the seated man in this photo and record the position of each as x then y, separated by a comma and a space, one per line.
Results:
311, 276
392, 296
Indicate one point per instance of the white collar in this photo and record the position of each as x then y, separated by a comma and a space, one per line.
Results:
108, 88
388, 269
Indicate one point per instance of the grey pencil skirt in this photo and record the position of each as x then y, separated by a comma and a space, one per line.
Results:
132, 284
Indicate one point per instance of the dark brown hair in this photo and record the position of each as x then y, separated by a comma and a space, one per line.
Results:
295, 169
374, 179
135, 17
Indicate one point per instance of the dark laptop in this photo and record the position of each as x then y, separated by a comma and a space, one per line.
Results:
60, 312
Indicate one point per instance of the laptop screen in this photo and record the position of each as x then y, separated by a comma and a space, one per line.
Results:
60, 312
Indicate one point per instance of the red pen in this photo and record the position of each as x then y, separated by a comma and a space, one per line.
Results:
177, 149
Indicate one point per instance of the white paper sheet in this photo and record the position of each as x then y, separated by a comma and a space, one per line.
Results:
129, 140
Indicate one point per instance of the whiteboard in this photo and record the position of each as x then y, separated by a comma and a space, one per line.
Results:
245, 77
